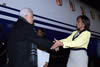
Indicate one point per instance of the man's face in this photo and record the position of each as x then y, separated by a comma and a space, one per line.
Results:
29, 18
80, 24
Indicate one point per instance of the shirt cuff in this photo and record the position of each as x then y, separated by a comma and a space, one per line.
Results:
65, 46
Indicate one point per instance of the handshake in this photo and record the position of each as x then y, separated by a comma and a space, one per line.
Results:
56, 45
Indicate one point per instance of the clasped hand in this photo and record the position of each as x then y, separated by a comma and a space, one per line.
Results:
56, 44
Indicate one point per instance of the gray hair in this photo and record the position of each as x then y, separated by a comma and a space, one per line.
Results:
25, 11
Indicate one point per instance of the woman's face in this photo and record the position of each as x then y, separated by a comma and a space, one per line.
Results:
80, 24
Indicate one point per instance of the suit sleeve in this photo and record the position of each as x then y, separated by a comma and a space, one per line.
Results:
39, 41
43, 42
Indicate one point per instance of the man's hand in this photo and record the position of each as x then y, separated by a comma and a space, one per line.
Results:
57, 49
46, 64
56, 44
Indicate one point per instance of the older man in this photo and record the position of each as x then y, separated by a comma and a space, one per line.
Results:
23, 41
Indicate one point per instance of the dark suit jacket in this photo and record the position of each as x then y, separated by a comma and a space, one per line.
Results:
20, 41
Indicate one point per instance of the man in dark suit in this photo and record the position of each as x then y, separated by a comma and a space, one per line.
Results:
23, 41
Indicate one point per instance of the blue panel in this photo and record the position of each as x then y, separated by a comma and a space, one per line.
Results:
5, 25
98, 48
92, 48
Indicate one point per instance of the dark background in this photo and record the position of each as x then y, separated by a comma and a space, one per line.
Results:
93, 3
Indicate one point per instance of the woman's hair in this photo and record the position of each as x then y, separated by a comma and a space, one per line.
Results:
85, 20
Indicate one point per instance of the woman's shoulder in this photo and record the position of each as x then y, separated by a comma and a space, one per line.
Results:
86, 31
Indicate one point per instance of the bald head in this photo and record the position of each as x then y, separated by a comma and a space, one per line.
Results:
27, 14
